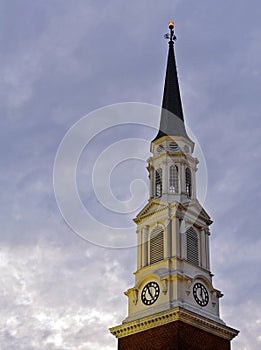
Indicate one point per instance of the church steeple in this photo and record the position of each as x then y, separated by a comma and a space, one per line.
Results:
173, 303
172, 119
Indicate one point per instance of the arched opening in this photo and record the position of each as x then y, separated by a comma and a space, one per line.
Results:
158, 182
173, 179
188, 182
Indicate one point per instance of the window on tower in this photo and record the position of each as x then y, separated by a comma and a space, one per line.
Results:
173, 147
188, 182
158, 182
156, 245
173, 179
192, 246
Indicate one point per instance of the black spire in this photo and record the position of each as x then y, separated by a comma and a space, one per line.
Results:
172, 120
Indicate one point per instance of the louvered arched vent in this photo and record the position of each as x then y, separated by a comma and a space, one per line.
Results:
192, 246
156, 245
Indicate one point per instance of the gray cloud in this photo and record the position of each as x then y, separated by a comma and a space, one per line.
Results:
61, 60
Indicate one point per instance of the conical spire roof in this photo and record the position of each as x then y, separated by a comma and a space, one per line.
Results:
172, 120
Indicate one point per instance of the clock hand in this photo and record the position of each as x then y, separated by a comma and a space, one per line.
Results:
201, 293
150, 293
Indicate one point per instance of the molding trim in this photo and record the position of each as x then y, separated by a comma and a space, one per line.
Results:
176, 314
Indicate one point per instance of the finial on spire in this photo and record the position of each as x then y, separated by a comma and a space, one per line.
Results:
171, 36
172, 119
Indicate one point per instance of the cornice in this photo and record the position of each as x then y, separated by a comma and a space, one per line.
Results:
181, 209
176, 314
173, 138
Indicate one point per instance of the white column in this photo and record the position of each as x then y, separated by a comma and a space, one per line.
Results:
179, 178
164, 176
139, 250
152, 181
144, 255
203, 253
168, 241
181, 239
176, 238
182, 178
193, 181
207, 250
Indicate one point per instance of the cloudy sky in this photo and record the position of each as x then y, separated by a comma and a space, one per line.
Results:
62, 60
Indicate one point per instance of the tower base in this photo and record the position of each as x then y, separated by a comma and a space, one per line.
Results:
176, 329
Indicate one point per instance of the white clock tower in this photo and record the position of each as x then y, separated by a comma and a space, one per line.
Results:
173, 291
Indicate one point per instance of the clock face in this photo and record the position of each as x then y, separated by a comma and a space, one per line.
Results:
150, 293
200, 294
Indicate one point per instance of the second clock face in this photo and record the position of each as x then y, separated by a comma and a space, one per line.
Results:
150, 293
200, 294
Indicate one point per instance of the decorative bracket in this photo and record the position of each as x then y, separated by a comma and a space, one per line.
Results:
164, 285
188, 286
135, 296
